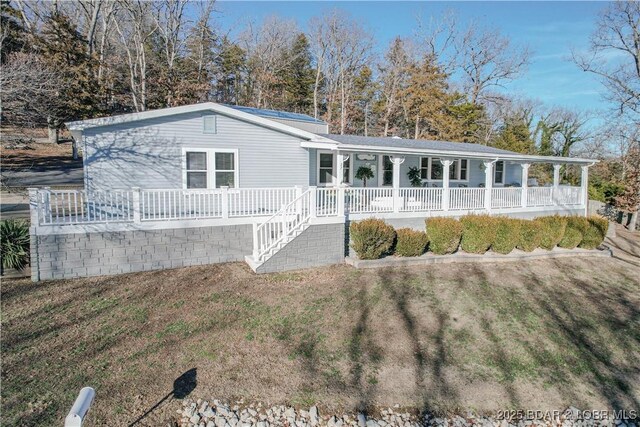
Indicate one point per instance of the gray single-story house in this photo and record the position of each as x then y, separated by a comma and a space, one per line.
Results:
280, 174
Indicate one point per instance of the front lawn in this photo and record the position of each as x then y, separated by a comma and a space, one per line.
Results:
535, 335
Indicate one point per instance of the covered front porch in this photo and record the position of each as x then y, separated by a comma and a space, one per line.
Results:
408, 183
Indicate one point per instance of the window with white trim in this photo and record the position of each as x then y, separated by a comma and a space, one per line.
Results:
346, 177
225, 171
196, 169
462, 170
424, 167
436, 169
387, 170
498, 172
206, 168
453, 170
325, 168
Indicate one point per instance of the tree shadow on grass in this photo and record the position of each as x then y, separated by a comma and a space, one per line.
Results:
579, 328
428, 365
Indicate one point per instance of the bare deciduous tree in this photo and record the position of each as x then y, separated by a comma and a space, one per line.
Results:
135, 28
29, 89
614, 55
345, 47
487, 60
170, 22
394, 75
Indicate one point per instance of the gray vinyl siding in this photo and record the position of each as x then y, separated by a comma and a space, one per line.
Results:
306, 126
148, 154
475, 173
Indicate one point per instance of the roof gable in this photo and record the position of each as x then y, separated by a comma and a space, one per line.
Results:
79, 126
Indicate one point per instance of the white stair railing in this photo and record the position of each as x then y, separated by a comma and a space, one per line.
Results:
286, 223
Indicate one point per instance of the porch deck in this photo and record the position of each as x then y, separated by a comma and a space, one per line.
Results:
136, 206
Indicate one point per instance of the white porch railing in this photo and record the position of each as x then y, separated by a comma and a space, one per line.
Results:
76, 207
466, 198
540, 196
369, 200
162, 205
279, 227
568, 196
327, 201
65, 207
420, 199
506, 198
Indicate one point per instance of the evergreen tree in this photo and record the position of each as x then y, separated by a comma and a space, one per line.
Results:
515, 135
63, 47
300, 78
230, 68
13, 37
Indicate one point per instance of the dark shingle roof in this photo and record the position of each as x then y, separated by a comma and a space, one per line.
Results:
274, 114
419, 144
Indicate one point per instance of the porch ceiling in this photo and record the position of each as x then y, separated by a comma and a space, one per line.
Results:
423, 147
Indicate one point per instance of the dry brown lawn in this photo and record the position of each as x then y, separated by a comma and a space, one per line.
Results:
536, 335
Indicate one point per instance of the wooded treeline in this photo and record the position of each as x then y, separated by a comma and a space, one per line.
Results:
73, 60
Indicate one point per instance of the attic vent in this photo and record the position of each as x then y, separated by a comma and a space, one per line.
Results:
395, 137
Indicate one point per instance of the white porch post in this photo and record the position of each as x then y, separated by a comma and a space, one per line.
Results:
135, 200
488, 183
340, 158
525, 183
313, 200
446, 164
584, 187
556, 182
397, 202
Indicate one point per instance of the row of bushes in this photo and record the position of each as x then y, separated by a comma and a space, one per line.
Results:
373, 238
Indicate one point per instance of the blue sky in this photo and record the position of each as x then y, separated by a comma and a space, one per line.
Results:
551, 29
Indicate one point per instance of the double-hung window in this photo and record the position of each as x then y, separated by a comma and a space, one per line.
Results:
206, 168
196, 169
225, 170
325, 168
424, 167
462, 169
387, 171
498, 173
346, 176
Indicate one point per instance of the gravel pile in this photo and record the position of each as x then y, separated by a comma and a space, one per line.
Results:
202, 413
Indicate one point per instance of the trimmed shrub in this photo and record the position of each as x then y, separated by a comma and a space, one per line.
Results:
371, 238
595, 233
507, 235
576, 227
478, 232
411, 242
444, 235
551, 230
571, 238
530, 235
14, 243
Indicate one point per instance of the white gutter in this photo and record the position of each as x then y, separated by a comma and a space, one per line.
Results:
448, 153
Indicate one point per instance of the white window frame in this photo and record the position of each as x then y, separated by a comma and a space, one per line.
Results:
350, 161
495, 171
211, 167
381, 170
455, 165
334, 169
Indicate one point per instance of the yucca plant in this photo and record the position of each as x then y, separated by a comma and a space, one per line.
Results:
14, 243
